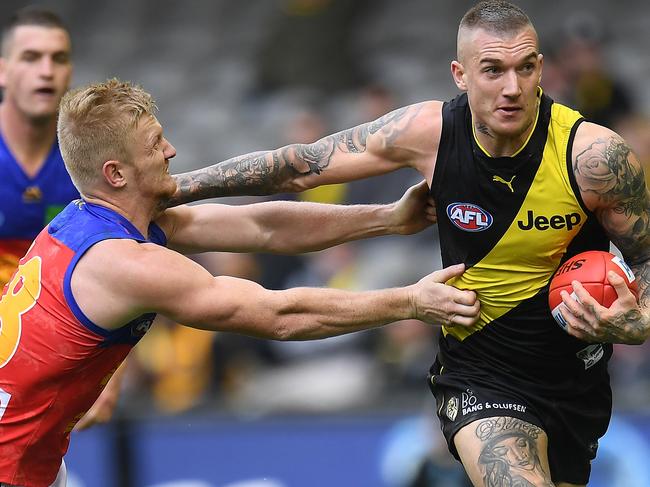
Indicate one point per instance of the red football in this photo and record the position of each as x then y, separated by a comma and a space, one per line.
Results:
590, 269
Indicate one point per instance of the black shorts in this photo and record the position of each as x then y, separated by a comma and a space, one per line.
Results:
573, 424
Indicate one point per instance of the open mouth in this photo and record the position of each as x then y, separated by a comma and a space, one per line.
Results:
45, 91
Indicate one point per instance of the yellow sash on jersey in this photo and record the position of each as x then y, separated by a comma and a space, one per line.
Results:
524, 259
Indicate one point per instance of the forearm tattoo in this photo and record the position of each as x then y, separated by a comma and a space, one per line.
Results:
510, 453
642, 274
631, 327
608, 169
280, 170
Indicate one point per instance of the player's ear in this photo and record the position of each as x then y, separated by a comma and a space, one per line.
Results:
113, 172
458, 73
540, 59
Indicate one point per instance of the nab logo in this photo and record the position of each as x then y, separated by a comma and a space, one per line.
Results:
469, 217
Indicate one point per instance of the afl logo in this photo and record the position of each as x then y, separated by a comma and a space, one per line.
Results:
469, 217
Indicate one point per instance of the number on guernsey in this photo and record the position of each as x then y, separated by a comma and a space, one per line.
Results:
20, 296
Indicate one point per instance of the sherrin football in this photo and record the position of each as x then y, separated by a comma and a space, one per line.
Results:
590, 269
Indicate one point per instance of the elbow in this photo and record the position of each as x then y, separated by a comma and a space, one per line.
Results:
282, 332
288, 321
298, 185
302, 162
295, 184
285, 242
296, 327
276, 244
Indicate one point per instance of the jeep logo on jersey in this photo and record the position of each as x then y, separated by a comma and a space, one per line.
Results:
469, 217
556, 222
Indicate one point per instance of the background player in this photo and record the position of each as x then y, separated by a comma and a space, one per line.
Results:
520, 183
35, 72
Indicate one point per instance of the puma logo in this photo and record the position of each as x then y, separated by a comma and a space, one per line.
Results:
499, 179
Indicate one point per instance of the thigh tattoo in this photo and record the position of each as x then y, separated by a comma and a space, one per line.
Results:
510, 453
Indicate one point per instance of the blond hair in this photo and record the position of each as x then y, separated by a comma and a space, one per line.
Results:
96, 124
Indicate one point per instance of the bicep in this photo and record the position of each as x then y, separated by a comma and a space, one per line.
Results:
190, 295
404, 137
212, 227
612, 184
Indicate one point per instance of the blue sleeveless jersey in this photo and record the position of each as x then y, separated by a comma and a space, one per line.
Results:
54, 361
80, 226
27, 204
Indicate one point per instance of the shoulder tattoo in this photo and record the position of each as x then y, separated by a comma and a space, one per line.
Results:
607, 169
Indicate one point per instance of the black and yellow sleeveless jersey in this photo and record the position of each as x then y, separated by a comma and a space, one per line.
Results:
512, 221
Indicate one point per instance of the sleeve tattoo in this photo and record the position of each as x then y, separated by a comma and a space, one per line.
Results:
610, 170
269, 172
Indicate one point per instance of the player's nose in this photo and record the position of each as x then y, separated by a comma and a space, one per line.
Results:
46, 67
169, 151
511, 87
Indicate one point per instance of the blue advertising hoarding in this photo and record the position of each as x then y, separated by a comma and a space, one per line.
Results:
316, 451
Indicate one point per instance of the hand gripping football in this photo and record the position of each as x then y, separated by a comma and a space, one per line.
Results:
590, 269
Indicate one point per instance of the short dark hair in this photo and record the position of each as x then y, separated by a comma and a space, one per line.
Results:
31, 15
496, 16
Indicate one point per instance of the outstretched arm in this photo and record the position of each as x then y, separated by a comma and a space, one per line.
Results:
292, 227
407, 136
612, 184
149, 278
